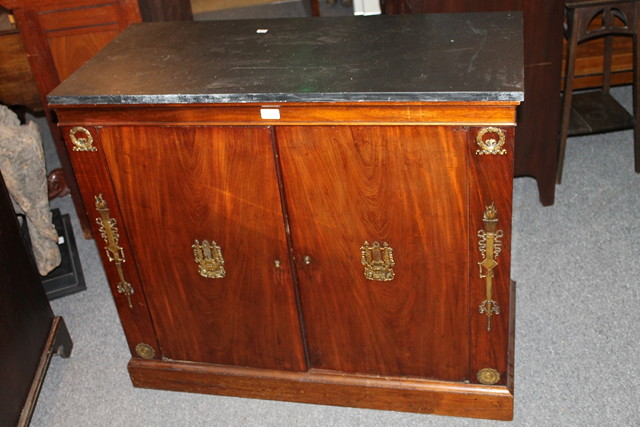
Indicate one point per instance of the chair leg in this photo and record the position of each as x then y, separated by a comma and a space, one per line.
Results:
573, 25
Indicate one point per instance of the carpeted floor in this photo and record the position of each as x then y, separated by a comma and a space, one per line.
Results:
577, 265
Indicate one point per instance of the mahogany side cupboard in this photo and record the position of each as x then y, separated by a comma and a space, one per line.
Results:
314, 210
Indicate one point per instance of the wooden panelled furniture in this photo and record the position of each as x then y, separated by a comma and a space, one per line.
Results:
589, 64
30, 334
61, 35
16, 81
315, 210
597, 111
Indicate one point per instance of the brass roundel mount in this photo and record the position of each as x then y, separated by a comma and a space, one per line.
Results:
491, 140
145, 351
488, 376
81, 139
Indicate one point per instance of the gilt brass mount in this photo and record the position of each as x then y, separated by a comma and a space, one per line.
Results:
378, 261
488, 376
491, 145
115, 253
490, 246
145, 351
208, 256
83, 142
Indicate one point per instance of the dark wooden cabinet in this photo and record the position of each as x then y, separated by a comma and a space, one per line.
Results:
30, 334
276, 234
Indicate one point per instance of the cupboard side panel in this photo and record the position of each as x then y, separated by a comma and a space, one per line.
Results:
490, 183
406, 186
93, 180
176, 185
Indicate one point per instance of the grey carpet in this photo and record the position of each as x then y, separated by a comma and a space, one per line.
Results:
577, 265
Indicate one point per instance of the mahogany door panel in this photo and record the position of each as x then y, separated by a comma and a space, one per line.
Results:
401, 186
176, 185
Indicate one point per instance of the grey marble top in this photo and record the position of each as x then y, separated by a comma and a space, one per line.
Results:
434, 57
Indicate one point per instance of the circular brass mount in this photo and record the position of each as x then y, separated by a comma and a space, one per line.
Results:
488, 376
145, 351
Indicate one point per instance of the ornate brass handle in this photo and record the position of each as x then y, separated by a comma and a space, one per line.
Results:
115, 253
378, 261
490, 246
208, 257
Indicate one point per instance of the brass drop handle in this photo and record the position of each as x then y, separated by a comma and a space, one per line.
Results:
307, 260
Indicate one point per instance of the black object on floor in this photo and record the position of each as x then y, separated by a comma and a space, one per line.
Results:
67, 278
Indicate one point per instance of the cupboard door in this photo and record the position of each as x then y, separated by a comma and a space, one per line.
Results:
405, 187
179, 185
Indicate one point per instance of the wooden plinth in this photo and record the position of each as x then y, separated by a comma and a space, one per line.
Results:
386, 393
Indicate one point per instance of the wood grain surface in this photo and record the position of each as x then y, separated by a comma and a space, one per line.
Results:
94, 179
360, 391
490, 184
16, 81
177, 185
406, 186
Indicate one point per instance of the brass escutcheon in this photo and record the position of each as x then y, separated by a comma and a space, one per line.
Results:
378, 261
208, 257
